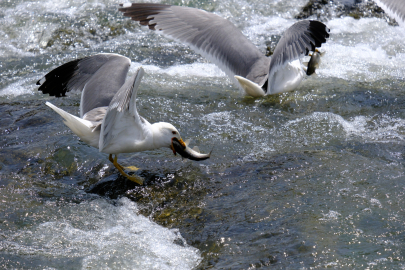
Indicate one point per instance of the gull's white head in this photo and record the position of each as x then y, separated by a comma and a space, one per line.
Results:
164, 135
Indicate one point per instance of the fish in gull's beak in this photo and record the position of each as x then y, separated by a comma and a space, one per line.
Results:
314, 62
179, 141
187, 152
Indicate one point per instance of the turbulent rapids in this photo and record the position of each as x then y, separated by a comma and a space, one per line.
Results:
313, 178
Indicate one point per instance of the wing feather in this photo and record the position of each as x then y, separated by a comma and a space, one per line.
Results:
122, 115
394, 8
98, 77
297, 41
214, 37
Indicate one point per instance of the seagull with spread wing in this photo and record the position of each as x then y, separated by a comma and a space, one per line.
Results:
220, 41
108, 118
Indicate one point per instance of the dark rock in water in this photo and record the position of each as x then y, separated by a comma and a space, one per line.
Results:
325, 10
320, 8
114, 187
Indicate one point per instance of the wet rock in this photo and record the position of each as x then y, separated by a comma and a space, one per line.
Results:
112, 187
116, 185
315, 7
82, 33
324, 10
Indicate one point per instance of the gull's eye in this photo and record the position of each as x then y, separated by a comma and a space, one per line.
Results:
174, 132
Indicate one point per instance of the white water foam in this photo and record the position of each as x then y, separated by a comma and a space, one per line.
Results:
105, 236
363, 50
20, 87
331, 215
187, 70
27, 26
382, 129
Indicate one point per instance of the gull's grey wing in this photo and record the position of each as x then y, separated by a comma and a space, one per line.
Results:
99, 77
122, 115
297, 41
96, 116
214, 37
394, 8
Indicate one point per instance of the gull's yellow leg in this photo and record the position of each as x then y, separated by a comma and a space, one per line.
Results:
135, 179
118, 166
131, 168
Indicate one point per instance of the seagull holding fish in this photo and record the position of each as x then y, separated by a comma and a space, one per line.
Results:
221, 42
109, 119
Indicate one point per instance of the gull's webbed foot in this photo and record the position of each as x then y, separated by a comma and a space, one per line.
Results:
132, 168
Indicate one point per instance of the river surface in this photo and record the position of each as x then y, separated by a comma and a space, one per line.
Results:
303, 180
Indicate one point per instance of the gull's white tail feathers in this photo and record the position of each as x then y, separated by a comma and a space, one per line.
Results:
80, 127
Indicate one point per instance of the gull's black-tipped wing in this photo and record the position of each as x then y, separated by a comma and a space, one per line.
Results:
297, 41
99, 77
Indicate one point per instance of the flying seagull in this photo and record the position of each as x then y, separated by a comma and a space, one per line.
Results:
220, 41
108, 118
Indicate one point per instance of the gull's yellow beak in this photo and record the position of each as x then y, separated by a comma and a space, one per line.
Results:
180, 141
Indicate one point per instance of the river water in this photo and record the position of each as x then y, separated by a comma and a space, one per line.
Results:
303, 180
